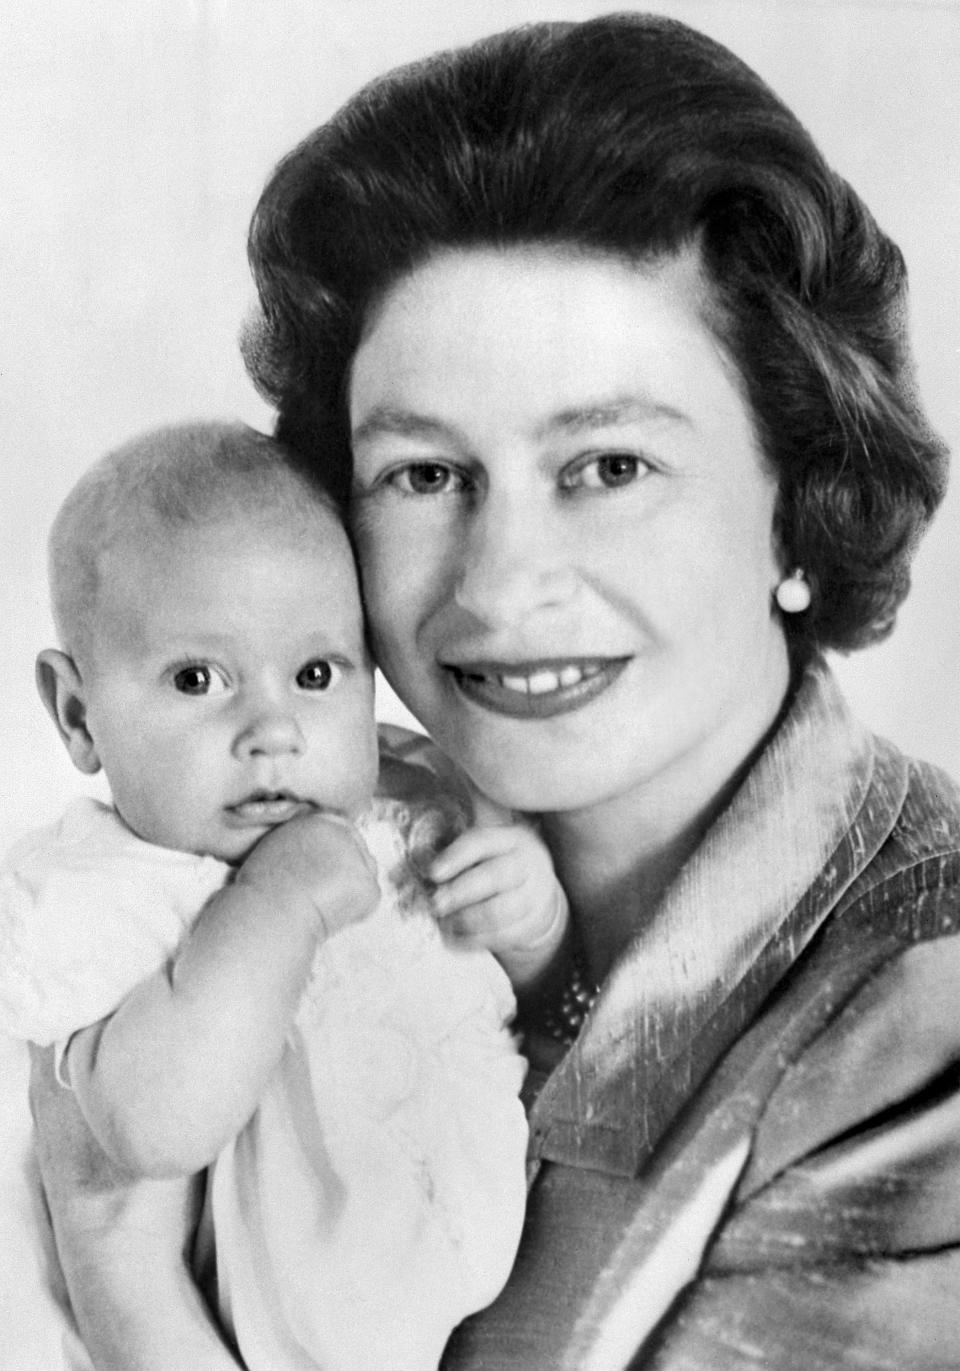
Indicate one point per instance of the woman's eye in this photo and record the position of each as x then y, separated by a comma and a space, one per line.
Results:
198, 679
318, 675
427, 478
609, 471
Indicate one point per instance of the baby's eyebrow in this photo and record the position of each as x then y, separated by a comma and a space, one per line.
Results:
198, 645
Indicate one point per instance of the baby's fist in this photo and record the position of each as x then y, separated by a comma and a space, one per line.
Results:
319, 859
496, 888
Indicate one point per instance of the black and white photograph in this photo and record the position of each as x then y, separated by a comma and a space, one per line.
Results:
480, 858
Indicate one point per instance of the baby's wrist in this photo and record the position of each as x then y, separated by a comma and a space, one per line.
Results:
530, 965
274, 894
553, 935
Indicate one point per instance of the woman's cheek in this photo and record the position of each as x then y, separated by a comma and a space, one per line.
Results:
387, 566
374, 555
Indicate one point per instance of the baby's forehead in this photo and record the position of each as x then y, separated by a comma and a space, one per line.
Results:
174, 491
308, 544
311, 527
233, 581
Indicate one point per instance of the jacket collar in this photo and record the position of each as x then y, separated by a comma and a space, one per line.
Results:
804, 823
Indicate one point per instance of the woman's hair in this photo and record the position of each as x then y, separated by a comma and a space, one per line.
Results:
636, 136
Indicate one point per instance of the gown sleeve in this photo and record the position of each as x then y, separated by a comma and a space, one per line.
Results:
87, 911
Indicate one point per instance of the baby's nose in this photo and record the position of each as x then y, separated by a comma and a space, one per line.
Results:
272, 732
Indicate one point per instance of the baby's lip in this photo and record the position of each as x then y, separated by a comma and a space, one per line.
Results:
268, 807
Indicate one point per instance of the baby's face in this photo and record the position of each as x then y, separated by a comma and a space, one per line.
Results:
228, 686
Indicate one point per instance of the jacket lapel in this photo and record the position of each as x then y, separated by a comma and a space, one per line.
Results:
613, 1230
803, 825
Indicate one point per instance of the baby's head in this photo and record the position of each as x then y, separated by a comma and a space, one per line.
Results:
212, 655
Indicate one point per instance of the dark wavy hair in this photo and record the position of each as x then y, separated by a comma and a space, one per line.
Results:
630, 135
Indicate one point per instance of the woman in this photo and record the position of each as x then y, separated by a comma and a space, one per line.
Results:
616, 371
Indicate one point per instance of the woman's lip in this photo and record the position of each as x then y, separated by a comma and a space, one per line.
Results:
259, 810
538, 689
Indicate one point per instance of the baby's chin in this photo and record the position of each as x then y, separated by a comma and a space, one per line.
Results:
236, 847
230, 848
232, 841
233, 858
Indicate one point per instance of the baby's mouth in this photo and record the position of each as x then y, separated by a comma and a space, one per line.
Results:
269, 807
536, 689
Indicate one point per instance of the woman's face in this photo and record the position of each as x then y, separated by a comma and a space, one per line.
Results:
565, 526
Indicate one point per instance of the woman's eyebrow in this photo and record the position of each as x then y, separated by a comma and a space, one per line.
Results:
625, 409
385, 420
390, 421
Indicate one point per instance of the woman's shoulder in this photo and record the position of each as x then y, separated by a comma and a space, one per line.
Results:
399, 744
413, 769
881, 982
911, 885
929, 821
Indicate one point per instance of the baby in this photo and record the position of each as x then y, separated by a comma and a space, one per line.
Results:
241, 961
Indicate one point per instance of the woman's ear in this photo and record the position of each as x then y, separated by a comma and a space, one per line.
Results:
61, 690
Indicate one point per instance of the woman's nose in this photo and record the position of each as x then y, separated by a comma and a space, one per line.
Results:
271, 730
514, 560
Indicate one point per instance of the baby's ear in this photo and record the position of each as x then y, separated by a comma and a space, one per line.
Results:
61, 690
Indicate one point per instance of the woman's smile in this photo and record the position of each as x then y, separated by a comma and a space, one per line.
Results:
536, 690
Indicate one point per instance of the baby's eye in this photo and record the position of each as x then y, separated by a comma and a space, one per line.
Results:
198, 679
319, 674
427, 478
606, 471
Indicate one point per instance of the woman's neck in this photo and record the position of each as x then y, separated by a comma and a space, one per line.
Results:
617, 859
615, 869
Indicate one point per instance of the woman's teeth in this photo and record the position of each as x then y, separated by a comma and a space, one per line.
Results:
544, 682
540, 692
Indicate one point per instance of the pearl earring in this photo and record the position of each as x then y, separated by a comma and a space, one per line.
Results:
793, 592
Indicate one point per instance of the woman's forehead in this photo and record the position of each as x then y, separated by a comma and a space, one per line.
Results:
530, 269
566, 339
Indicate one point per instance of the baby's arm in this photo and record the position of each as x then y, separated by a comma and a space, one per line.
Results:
169, 1078
495, 884
124, 1246
496, 888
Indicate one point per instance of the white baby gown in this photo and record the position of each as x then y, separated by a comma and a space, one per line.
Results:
376, 1196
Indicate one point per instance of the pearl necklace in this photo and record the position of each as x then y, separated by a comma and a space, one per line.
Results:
564, 1020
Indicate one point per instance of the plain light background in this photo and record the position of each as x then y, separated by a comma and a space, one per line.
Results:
136, 138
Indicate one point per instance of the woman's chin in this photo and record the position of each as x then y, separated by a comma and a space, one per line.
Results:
529, 788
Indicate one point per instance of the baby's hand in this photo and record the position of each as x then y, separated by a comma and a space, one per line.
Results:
320, 859
496, 889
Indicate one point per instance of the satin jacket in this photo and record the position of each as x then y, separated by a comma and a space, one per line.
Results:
751, 1155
